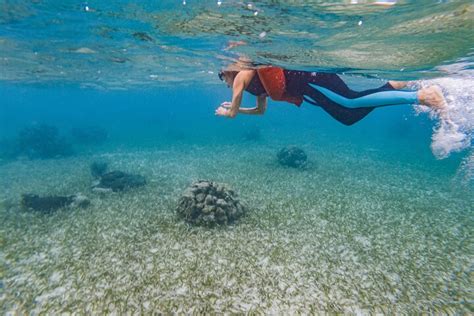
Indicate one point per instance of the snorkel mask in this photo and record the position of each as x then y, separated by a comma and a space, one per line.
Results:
221, 75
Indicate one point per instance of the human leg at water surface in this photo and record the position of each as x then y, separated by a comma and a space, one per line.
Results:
326, 90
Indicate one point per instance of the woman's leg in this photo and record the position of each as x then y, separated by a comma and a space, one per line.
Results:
346, 116
298, 85
334, 83
333, 87
347, 106
372, 99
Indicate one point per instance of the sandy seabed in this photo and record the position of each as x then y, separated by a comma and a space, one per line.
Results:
347, 234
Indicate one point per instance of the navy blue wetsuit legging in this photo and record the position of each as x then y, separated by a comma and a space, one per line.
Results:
329, 91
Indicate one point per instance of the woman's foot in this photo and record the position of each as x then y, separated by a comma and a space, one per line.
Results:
433, 97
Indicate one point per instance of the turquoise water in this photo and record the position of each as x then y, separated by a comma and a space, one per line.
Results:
380, 220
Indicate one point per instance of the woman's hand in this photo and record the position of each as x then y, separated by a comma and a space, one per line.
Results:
222, 111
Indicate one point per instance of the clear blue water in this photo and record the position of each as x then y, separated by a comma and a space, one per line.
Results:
381, 220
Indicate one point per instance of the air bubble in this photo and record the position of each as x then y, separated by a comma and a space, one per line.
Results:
85, 7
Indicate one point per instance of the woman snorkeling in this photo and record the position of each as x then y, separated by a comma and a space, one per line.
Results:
326, 90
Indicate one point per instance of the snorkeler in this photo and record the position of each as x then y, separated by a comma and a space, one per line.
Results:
326, 90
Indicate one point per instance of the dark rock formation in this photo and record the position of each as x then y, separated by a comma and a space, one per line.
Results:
42, 141
207, 203
119, 181
292, 156
51, 203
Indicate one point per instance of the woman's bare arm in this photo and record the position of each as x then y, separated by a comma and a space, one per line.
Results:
258, 110
241, 81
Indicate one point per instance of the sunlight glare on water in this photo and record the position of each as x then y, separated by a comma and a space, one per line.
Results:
121, 44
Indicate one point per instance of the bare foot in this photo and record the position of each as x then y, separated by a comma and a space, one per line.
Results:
433, 97
398, 84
